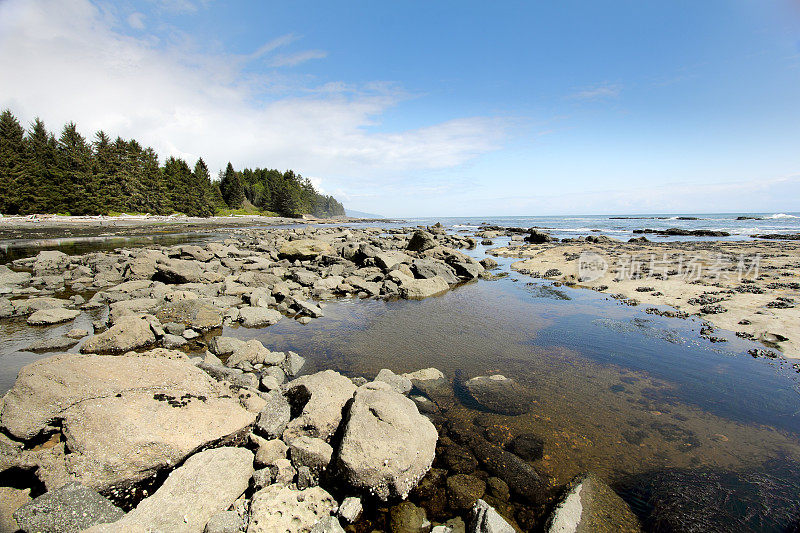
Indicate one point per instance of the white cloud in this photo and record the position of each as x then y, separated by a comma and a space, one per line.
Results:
136, 21
69, 63
291, 60
179, 7
598, 92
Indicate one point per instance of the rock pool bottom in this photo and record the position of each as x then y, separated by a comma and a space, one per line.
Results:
692, 434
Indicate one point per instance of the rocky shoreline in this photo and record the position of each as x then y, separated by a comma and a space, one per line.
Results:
160, 424
53, 226
748, 287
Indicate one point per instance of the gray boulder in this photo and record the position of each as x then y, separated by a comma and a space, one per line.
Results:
9, 278
258, 317
322, 397
11, 499
350, 509
329, 524
279, 509
206, 484
253, 352
309, 308
129, 333
293, 364
234, 376
417, 289
310, 452
181, 271
304, 249
71, 508
193, 313
429, 268
170, 341
400, 384
421, 241
387, 445
274, 417
389, 260
50, 262
223, 346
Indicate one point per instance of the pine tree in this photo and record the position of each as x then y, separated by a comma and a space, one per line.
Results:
12, 161
39, 190
232, 188
74, 168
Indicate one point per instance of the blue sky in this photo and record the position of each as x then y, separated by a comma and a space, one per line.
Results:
438, 108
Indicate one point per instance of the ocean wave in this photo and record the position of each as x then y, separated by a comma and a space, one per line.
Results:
782, 215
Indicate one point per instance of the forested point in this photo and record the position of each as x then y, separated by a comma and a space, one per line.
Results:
68, 175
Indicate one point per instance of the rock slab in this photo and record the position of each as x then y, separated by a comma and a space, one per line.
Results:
206, 484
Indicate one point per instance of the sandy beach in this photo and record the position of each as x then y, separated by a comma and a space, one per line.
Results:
749, 287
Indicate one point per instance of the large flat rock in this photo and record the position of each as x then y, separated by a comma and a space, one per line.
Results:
129, 333
123, 417
207, 483
48, 317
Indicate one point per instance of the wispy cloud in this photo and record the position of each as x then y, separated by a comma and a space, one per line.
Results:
179, 7
598, 92
136, 21
272, 45
291, 60
189, 103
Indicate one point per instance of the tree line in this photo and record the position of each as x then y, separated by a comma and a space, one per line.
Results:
40, 173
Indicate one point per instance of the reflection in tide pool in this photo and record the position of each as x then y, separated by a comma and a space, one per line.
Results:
640, 400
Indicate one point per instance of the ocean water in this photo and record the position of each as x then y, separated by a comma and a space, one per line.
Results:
622, 226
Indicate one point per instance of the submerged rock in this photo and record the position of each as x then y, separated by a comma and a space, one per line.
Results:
591, 505
387, 445
484, 519
500, 394
405, 517
206, 484
71, 508
54, 344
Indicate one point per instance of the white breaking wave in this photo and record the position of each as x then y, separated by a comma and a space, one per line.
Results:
782, 215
